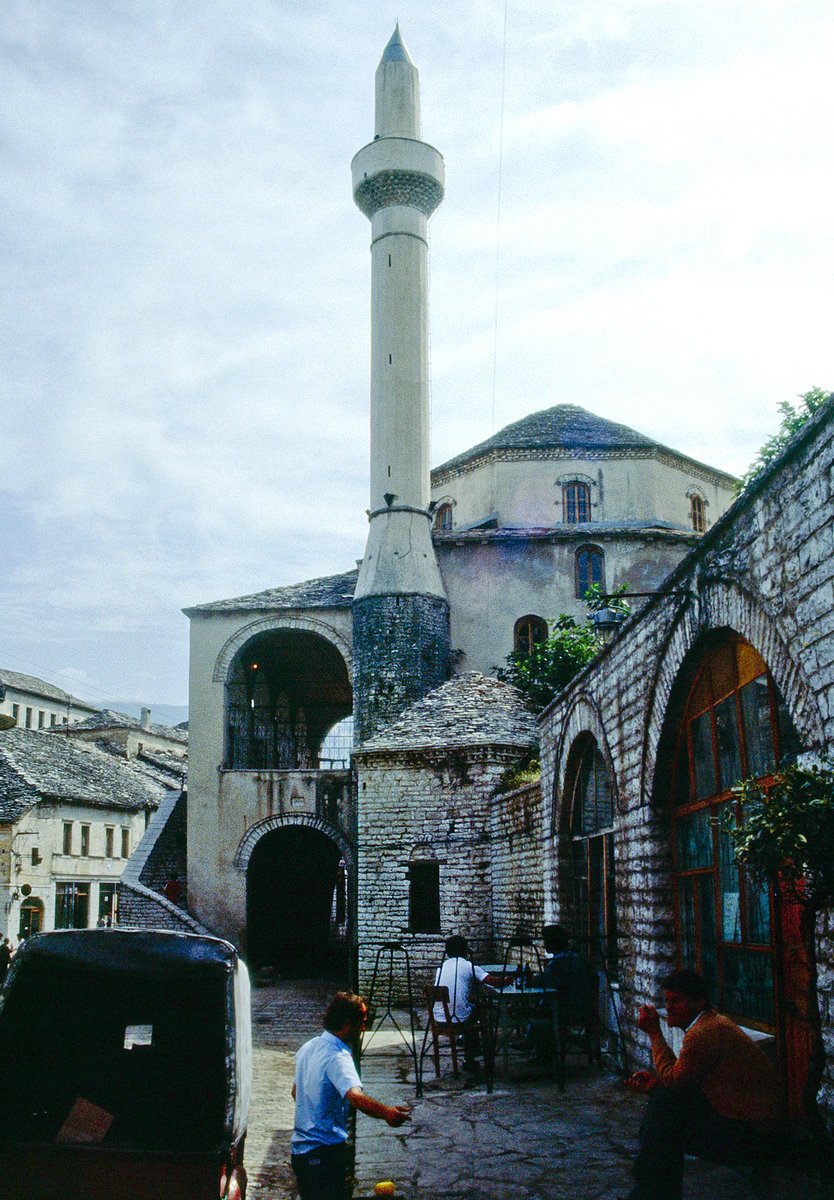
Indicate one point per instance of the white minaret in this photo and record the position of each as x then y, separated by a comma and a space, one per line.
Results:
398, 183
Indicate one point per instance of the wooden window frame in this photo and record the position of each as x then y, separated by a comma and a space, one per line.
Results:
593, 553
576, 502
721, 799
528, 632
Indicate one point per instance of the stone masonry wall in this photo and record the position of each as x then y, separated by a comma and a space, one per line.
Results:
517, 879
765, 571
426, 805
401, 652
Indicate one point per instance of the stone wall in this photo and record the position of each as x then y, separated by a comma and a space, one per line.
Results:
423, 806
766, 571
401, 652
517, 878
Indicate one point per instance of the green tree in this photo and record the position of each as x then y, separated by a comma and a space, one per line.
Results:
793, 418
552, 663
786, 838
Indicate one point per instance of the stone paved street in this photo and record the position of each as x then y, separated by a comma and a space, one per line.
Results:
526, 1141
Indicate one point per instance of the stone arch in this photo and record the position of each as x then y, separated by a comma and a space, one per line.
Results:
269, 624
582, 718
255, 832
724, 604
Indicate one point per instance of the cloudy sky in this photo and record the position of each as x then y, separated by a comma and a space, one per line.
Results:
185, 280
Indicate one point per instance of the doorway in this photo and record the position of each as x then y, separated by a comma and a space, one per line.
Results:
296, 904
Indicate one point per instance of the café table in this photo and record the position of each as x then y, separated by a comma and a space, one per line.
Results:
511, 1006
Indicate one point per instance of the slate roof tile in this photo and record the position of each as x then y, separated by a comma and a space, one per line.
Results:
107, 718
467, 711
30, 683
35, 766
331, 591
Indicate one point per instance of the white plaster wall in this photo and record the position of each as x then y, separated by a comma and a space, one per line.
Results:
528, 492
491, 583
217, 822
43, 827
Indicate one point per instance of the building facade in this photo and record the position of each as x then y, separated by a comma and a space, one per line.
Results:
71, 815
729, 669
34, 704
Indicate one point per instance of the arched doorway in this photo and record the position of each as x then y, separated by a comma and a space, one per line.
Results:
296, 902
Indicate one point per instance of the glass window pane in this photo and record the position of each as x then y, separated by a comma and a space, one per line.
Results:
706, 921
758, 733
748, 984
693, 840
757, 900
580, 889
729, 745
702, 760
686, 916
728, 886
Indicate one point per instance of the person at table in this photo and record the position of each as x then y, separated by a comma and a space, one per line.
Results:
567, 974
460, 975
716, 1100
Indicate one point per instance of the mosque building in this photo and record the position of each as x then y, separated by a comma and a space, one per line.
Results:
350, 742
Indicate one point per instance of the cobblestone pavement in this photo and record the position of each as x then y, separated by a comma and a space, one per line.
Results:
525, 1141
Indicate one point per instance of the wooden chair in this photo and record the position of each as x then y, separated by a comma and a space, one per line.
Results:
437, 1029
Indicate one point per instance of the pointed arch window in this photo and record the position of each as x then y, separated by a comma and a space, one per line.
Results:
589, 569
576, 503
592, 844
735, 726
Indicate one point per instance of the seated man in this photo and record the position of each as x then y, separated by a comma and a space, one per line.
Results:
458, 973
567, 974
714, 1101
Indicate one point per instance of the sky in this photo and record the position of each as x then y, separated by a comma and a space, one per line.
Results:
637, 220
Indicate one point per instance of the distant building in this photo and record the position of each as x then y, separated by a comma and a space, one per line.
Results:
35, 704
71, 815
134, 737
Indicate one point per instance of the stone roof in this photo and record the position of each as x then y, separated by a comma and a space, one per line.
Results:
565, 427
108, 719
331, 591
39, 687
468, 710
35, 767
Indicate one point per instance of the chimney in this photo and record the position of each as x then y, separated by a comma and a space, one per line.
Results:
145, 719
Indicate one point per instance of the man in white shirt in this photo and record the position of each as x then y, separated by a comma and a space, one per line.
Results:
326, 1083
459, 974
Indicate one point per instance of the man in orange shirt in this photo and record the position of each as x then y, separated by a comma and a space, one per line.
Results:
713, 1101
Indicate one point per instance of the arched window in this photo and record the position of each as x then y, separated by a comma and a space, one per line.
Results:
529, 631
285, 691
576, 503
735, 726
443, 518
31, 918
698, 512
589, 569
592, 840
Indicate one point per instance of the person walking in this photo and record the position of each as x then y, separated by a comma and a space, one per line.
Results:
326, 1085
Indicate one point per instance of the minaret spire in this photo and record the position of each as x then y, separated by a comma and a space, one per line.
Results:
400, 613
